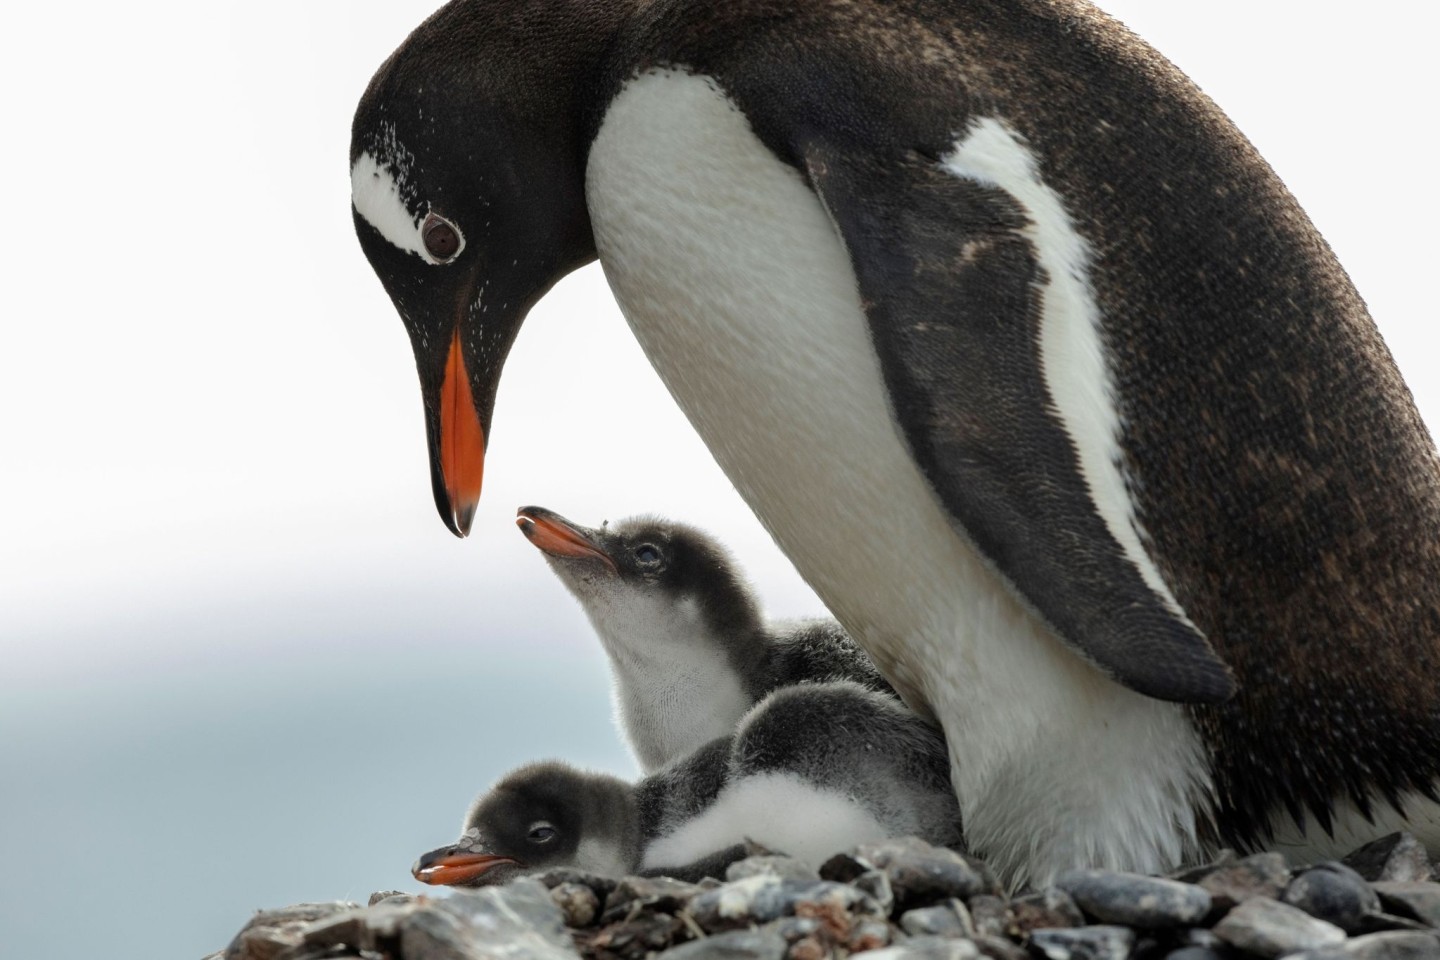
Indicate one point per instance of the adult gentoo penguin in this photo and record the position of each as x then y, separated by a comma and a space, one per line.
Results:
1021, 353
688, 649
814, 769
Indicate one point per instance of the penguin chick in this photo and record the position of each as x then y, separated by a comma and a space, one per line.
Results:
688, 648
811, 770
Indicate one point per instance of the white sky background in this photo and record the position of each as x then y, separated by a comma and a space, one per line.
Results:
210, 424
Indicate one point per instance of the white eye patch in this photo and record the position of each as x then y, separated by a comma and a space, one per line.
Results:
375, 192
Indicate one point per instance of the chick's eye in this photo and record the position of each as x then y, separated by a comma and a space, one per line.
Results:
442, 240
542, 833
647, 554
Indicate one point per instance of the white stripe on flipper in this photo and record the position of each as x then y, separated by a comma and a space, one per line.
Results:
1072, 352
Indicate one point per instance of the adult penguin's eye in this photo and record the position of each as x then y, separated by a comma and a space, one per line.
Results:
442, 238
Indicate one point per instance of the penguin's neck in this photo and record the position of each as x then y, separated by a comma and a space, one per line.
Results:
677, 685
610, 843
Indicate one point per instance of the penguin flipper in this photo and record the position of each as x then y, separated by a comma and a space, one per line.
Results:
953, 281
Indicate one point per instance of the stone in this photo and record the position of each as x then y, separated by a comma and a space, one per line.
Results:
794, 929
1335, 893
928, 948
393, 896
1082, 943
741, 903
869, 935
1051, 907
937, 921
1235, 881
1132, 900
1271, 928
877, 885
271, 932
1397, 858
998, 948
577, 902
660, 894
991, 916
1406, 945
921, 874
786, 868
1415, 899
640, 936
843, 868
735, 945
554, 877
1195, 953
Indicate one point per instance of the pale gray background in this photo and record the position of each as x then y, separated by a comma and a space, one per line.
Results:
241, 661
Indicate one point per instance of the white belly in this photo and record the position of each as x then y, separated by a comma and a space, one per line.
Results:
741, 294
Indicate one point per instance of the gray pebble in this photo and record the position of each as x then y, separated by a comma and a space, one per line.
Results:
939, 921
1262, 875
577, 903
660, 894
1051, 907
991, 916
1414, 899
921, 874
754, 900
393, 896
1271, 928
1133, 900
794, 928
1195, 953
1082, 943
553, 878
1379, 946
1335, 893
998, 948
271, 932
870, 935
877, 885
735, 945
1398, 857
787, 868
928, 948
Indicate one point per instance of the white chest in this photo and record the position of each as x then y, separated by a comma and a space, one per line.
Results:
675, 689
738, 289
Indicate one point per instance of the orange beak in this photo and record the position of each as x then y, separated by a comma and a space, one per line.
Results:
551, 533
456, 868
462, 440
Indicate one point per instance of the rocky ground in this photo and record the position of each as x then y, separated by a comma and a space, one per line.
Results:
896, 900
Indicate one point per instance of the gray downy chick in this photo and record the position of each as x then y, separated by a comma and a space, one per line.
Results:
812, 770
688, 648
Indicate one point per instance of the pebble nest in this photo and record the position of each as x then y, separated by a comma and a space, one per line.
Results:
894, 900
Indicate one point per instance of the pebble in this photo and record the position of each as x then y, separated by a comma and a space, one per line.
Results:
660, 894
577, 902
942, 921
991, 916
1134, 900
920, 873
1418, 900
736, 945
1398, 857
928, 948
1335, 893
1051, 907
786, 868
903, 900
1083, 943
1232, 883
1379, 946
1270, 928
